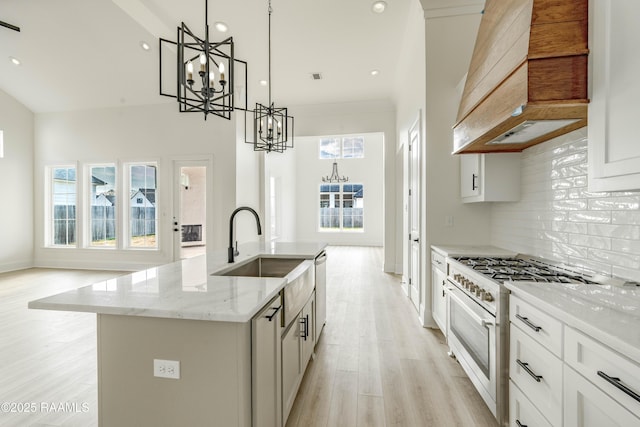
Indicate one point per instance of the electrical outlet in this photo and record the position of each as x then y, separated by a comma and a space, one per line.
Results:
448, 221
166, 368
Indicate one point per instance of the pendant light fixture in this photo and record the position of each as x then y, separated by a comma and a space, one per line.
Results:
335, 176
205, 72
272, 126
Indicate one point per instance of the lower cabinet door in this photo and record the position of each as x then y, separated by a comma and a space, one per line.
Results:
307, 337
439, 299
588, 406
266, 403
290, 368
522, 412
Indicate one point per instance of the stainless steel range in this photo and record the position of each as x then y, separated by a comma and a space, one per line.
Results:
478, 326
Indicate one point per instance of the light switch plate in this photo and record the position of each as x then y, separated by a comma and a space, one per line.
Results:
166, 369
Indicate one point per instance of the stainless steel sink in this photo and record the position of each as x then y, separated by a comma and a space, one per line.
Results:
298, 272
264, 267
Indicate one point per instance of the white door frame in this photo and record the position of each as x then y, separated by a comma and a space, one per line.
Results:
414, 274
176, 222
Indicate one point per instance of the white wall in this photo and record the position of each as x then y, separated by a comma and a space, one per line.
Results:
358, 117
16, 175
248, 173
282, 167
368, 171
449, 45
560, 219
152, 132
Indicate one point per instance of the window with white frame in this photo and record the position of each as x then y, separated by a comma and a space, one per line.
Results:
143, 198
101, 187
341, 207
62, 208
348, 147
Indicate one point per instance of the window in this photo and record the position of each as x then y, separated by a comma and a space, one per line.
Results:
63, 206
341, 207
102, 221
143, 216
329, 148
353, 147
274, 207
345, 148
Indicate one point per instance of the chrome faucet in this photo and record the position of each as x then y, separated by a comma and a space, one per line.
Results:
234, 252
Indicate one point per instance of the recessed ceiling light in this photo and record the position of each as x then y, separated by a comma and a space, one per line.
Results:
379, 6
144, 45
15, 61
221, 26
263, 82
375, 72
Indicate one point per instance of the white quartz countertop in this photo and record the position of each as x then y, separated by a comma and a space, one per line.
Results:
185, 289
609, 314
472, 250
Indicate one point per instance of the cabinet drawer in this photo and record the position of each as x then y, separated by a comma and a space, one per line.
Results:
522, 411
537, 324
589, 357
588, 406
438, 261
538, 374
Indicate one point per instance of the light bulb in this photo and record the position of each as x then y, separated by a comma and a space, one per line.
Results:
212, 79
221, 69
203, 62
189, 70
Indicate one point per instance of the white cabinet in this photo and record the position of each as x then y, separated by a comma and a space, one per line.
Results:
438, 294
321, 294
266, 360
588, 406
490, 177
614, 142
298, 343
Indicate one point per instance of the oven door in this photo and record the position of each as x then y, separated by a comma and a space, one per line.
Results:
472, 339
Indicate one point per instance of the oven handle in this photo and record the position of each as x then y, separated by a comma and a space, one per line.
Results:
470, 312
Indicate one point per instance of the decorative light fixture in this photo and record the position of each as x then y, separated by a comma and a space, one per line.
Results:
272, 126
211, 90
335, 176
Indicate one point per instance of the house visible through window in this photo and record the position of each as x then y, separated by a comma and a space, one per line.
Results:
143, 216
102, 184
63, 206
341, 207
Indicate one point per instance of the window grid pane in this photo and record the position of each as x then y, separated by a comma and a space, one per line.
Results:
329, 148
102, 182
142, 206
63, 214
341, 207
353, 147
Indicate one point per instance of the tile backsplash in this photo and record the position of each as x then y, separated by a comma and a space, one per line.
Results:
558, 218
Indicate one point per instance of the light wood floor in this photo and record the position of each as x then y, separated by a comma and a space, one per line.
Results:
375, 365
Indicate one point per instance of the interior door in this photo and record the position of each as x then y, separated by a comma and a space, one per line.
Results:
190, 208
414, 215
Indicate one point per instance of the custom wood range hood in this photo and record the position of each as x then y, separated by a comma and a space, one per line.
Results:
527, 81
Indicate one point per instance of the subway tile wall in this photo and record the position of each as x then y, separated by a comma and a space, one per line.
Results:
558, 218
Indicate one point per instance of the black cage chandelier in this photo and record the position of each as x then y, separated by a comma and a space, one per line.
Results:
272, 126
205, 72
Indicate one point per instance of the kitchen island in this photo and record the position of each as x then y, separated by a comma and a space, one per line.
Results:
186, 312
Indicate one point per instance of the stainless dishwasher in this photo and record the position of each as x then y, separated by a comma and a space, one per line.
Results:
321, 292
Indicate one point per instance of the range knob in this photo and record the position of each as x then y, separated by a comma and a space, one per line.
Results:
488, 297
479, 291
457, 277
472, 287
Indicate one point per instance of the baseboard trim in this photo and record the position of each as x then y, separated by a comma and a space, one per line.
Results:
15, 266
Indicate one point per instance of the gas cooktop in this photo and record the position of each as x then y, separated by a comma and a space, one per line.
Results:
517, 269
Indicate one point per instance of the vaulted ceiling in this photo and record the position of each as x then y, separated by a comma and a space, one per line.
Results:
83, 54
